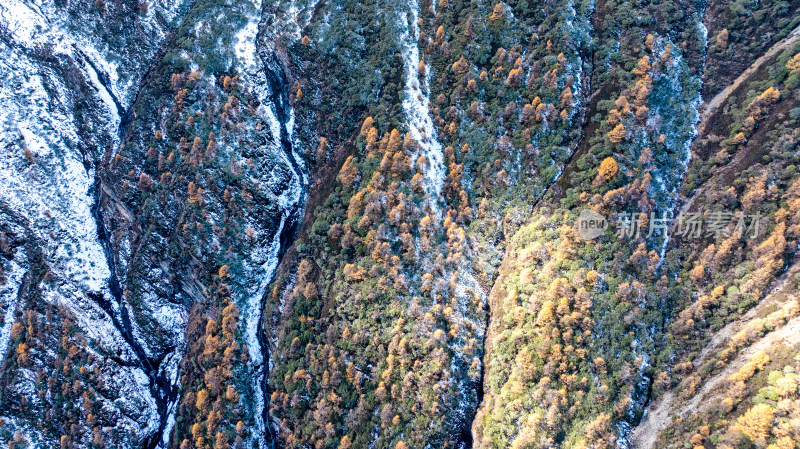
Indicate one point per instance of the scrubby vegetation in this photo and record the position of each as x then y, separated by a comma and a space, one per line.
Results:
738, 275
737, 30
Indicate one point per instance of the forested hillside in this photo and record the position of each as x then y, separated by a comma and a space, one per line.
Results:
416, 224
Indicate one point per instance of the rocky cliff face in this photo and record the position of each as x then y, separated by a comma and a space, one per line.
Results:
358, 224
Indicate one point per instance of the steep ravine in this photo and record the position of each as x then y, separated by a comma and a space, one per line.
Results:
281, 121
262, 72
417, 110
163, 377
163, 384
670, 404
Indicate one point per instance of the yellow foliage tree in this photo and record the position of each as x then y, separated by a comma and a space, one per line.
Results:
349, 172
756, 422
514, 77
16, 330
498, 12
395, 142
461, 66
722, 38
617, 134
786, 386
367, 125
608, 169
354, 272
323, 147
793, 64
643, 66
22, 354
567, 98
194, 193
697, 273
545, 315
440, 33
202, 400
649, 41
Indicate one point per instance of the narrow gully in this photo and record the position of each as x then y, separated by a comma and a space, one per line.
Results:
163, 392
103, 78
278, 101
161, 389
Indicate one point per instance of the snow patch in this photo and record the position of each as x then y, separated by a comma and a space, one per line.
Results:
24, 24
53, 190
246, 44
416, 107
105, 96
289, 175
9, 295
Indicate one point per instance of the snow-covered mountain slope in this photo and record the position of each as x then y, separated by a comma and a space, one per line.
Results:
75, 75
62, 104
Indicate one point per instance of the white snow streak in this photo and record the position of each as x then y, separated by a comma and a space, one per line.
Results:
416, 107
266, 259
105, 96
9, 293
288, 201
